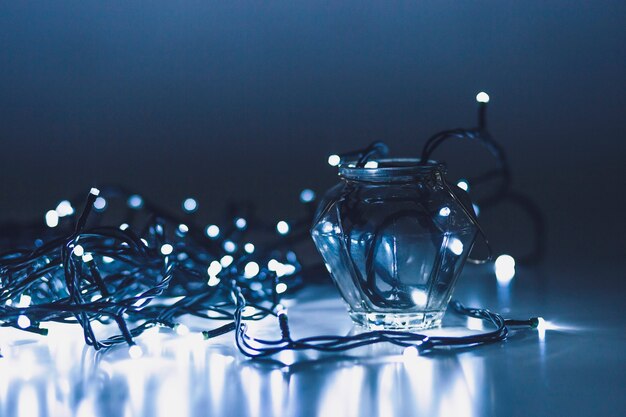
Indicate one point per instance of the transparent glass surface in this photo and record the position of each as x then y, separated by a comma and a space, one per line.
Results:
394, 239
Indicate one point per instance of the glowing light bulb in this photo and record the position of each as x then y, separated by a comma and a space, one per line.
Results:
182, 330
505, 269
455, 246
463, 185
306, 196
474, 323
52, 218
505, 261
334, 160
78, 251
64, 208
135, 201
167, 249
241, 223
23, 322
135, 352
183, 228
124, 226
25, 301
88, 257
248, 247
100, 204
107, 259
482, 97
251, 269
281, 287
213, 281
214, 268
212, 231
282, 227
94, 191
226, 261
229, 246
190, 205
410, 352
444, 212
419, 297
371, 164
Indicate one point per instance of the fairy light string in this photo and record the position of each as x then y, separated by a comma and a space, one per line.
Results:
154, 267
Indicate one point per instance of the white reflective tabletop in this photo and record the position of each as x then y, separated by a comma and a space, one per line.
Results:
576, 367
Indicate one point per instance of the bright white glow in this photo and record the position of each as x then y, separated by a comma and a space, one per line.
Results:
23, 322
88, 257
167, 249
280, 268
444, 212
214, 268
94, 191
455, 246
371, 164
229, 246
226, 261
248, 247
190, 205
64, 208
463, 185
251, 269
419, 297
24, 301
474, 323
78, 250
241, 223
505, 261
410, 352
135, 352
273, 265
213, 281
505, 269
135, 201
52, 218
504, 276
282, 227
183, 228
482, 97
541, 328
306, 196
100, 204
281, 287
476, 209
124, 226
334, 160
107, 259
182, 330
212, 231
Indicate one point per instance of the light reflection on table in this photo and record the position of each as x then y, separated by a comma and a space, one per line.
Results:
533, 373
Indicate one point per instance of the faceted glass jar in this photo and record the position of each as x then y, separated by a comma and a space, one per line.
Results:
395, 239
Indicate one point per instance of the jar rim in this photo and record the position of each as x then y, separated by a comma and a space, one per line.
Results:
391, 169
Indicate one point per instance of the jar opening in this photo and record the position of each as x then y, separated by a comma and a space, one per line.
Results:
391, 170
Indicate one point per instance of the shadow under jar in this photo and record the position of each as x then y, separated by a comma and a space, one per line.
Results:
395, 239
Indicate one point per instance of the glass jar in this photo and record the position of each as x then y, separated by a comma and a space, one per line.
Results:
394, 239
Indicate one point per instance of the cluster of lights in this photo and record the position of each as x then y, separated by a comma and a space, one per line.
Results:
113, 268
220, 276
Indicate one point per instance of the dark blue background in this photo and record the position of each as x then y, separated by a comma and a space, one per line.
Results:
233, 100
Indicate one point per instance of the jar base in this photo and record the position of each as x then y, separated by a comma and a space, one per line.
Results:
398, 321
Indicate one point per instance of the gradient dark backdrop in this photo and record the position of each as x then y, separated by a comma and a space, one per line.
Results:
244, 101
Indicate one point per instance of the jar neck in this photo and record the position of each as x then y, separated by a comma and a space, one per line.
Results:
393, 171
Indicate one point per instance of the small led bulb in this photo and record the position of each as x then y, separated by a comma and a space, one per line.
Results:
135, 352
482, 97
167, 249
